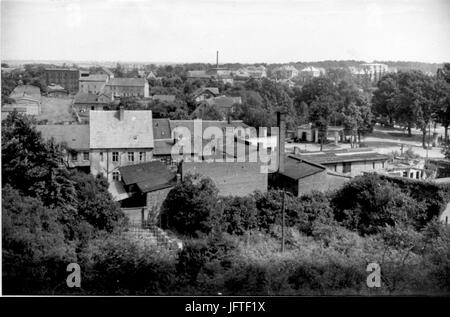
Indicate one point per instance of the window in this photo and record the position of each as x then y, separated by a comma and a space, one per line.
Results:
115, 176
131, 156
347, 167
141, 156
405, 174
373, 165
101, 156
382, 164
417, 174
74, 156
115, 156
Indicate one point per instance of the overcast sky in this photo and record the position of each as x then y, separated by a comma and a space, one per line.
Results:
243, 31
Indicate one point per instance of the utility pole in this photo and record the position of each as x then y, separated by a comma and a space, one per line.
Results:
282, 220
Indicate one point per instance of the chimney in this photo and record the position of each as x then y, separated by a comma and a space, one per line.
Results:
121, 113
217, 59
281, 124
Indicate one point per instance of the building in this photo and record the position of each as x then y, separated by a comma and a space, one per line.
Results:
75, 139
84, 102
348, 162
309, 133
107, 72
224, 104
27, 100
148, 185
65, 77
204, 93
403, 167
119, 138
128, 87
301, 176
54, 90
308, 73
285, 72
93, 83
370, 71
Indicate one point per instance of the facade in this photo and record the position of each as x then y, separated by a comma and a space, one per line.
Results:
348, 162
128, 87
119, 138
84, 102
68, 78
308, 133
27, 99
93, 83
371, 71
285, 72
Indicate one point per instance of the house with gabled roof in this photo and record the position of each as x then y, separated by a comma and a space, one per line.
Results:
204, 93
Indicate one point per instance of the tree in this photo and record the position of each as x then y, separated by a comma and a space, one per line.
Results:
375, 203
34, 166
95, 203
190, 205
383, 103
207, 112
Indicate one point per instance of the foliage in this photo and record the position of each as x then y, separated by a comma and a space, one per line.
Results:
190, 205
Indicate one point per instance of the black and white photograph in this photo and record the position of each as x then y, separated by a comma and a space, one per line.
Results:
225, 149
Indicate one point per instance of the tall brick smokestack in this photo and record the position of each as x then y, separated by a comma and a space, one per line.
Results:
217, 59
281, 124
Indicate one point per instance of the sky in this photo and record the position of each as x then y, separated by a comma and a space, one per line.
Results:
245, 31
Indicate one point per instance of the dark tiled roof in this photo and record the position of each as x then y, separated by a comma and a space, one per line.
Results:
161, 129
213, 90
148, 176
163, 147
83, 97
297, 168
127, 82
76, 136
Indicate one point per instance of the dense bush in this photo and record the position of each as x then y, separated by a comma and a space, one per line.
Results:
374, 203
190, 206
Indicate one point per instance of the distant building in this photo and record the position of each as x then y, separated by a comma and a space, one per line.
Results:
66, 77
285, 72
83, 102
27, 100
93, 83
128, 87
309, 133
224, 104
54, 90
204, 93
371, 71
308, 73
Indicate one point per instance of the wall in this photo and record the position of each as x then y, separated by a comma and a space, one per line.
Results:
128, 91
237, 179
314, 182
154, 202
92, 86
107, 166
357, 168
